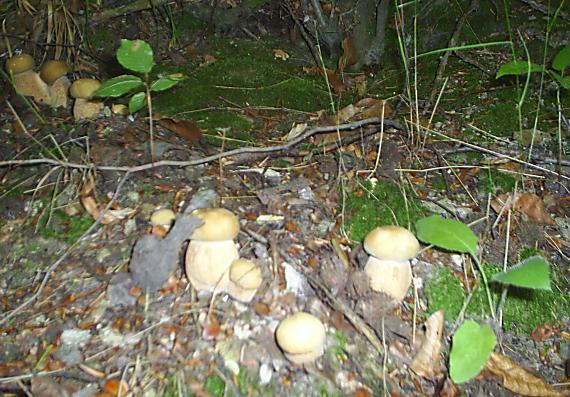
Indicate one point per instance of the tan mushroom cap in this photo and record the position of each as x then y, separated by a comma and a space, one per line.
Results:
53, 70
162, 217
301, 337
84, 88
245, 274
219, 224
20, 63
392, 243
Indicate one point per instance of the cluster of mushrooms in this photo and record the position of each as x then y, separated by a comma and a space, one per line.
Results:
51, 85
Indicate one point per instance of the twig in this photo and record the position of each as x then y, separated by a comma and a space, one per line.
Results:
209, 159
54, 266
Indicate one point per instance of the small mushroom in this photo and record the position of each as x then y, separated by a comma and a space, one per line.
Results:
245, 279
388, 267
161, 221
85, 107
302, 338
212, 249
54, 73
26, 81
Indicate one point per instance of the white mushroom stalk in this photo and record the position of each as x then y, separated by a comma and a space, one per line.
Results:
388, 267
212, 249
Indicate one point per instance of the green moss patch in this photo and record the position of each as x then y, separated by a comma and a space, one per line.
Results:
383, 203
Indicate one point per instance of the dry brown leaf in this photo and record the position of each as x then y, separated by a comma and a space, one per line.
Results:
92, 208
542, 332
116, 387
528, 204
280, 54
519, 380
426, 360
212, 328
349, 55
187, 129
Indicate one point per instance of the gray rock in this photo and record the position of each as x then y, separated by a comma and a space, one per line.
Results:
205, 198
119, 290
155, 259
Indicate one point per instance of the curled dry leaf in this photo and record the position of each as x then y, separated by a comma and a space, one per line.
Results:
280, 54
519, 380
426, 360
528, 204
116, 387
91, 206
187, 129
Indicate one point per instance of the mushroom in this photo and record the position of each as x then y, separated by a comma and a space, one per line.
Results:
54, 74
161, 221
212, 249
388, 267
26, 81
245, 279
301, 337
84, 107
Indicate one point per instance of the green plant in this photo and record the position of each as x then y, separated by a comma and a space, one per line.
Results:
524, 68
137, 56
472, 343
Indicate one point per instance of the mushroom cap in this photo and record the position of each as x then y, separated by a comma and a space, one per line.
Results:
388, 276
20, 63
53, 70
219, 224
162, 217
84, 88
302, 337
392, 242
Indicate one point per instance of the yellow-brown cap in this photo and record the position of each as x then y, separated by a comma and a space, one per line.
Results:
53, 70
84, 88
20, 63
219, 224
392, 242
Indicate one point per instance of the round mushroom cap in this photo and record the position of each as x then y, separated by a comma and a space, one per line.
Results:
245, 274
392, 242
53, 70
163, 217
219, 224
301, 333
20, 63
84, 88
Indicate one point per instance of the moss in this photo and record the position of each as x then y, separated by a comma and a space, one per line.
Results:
385, 203
523, 309
64, 227
492, 180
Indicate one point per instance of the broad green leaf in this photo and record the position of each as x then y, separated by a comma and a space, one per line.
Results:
135, 55
472, 346
448, 234
562, 59
564, 81
215, 385
137, 102
166, 82
530, 273
118, 86
517, 68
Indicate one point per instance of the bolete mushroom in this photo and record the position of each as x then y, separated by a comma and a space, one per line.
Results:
54, 73
388, 267
245, 279
302, 338
85, 107
26, 81
161, 221
212, 249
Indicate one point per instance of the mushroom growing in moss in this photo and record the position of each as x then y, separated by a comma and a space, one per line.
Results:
388, 267
212, 249
54, 74
85, 107
245, 279
26, 81
302, 338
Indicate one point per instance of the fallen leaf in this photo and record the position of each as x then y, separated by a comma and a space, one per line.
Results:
44, 386
187, 129
519, 380
528, 204
212, 328
426, 360
280, 54
542, 332
116, 387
